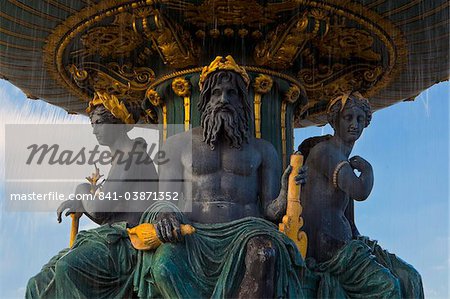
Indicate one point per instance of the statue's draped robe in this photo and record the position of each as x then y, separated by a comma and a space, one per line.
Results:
210, 262
100, 264
362, 269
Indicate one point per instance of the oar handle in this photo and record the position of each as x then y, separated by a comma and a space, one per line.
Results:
74, 227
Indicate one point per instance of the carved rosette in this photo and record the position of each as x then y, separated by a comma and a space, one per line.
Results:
293, 94
182, 88
153, 97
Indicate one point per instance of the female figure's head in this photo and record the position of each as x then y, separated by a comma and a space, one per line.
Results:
349, 115
111, 124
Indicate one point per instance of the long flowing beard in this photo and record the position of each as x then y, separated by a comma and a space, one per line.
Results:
229, 123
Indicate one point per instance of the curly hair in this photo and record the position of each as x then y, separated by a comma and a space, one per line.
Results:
236, 122
354, 100
225, 76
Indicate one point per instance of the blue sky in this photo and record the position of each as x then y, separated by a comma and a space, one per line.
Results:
407, 211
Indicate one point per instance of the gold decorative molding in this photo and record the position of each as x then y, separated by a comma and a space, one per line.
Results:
173, 43
230, 12
283, 45
164, 113
126, 82
248, 68
283, 133
115, 40
72, 27
374, 70
262, 85
155, 99
372, 50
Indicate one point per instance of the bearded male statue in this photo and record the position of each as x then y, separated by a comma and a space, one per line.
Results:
231, 186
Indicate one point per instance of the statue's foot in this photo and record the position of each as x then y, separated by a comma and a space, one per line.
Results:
258, 281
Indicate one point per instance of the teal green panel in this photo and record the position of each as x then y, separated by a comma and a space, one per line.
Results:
289, 132
271, 118
195, 96
20, 29
22, 14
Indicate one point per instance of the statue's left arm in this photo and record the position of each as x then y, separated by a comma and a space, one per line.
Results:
357, 187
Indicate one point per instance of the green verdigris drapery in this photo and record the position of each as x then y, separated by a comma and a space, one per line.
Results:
210, 262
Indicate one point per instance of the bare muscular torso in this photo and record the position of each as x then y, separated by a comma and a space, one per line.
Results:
224, 181
223, 184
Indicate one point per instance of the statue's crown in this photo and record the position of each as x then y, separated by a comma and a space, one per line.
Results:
112, 104
226, 64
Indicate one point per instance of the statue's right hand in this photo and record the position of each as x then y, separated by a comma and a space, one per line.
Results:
73, 206
168, 228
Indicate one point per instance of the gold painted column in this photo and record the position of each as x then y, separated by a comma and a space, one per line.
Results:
181, 87
156, 101
291, 97
263, 84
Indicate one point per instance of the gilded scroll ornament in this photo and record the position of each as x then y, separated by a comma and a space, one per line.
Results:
283, 45
123, 80
224, 12
327, 81
181, 87
172, 42
110, 41
263, 84
292, 36
342, 42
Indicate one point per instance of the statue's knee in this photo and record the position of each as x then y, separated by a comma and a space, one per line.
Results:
260, 250
66, 264
162, 263
62, 268
161, 272
414, 276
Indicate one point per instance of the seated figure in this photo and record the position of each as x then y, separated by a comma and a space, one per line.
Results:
231, 180
349, 265
101, 261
